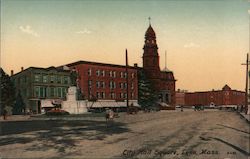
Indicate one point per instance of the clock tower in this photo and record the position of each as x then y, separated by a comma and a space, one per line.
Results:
150, 55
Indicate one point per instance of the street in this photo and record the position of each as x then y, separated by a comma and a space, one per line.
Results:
190, 134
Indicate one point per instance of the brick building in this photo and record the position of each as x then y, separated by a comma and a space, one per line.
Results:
36, 83
163, 81
180, 97
226, 96
105, 81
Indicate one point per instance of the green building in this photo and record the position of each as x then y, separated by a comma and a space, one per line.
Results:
36, 83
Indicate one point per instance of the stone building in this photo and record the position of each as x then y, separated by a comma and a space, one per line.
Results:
36, 83
163, 81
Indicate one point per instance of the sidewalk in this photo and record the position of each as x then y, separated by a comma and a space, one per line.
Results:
246, 116
15, 118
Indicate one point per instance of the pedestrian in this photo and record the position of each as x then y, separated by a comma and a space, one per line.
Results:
182, 108
5, 114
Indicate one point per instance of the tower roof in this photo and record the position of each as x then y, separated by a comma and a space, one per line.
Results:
226, 88
150, 32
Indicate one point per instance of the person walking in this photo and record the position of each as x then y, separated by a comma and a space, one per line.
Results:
5, 114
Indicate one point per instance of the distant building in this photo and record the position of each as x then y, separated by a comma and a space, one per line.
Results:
163, 81
100, 81
180, 97
36, 83
226, 96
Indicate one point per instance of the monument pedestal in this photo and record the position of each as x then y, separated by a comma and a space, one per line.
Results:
72, 105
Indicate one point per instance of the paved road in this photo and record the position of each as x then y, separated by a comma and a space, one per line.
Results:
167, 134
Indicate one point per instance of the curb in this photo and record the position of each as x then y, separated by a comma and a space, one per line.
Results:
244, 117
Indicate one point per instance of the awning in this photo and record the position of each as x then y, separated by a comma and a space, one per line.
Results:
112, 104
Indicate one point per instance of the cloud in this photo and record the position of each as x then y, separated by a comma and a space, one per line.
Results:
85, 31
28, 30
191, 45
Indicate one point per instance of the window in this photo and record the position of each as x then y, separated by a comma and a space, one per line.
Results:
90, 83
98, 95
59, 92
112, 85
42, 92
124, 95
98, 73
89, 71
132, 85
125, 85
132, 95
97, 84
45, 78
103, 73
112, 95
64, 91
102, 95
66, 79
110, 73
37, 78
59, 79
125, 75
52, 91
52, 79
103, 84
121, 74
132, 75
37, 91
114, 74
121, 85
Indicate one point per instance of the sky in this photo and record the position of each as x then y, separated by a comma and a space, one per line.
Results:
206, 41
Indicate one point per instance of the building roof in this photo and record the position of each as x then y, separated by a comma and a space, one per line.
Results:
150, 32
165, 69
40, 68
225, 88
97, 63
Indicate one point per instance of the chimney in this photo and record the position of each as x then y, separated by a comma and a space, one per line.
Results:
21, 68
135, 65
11, 72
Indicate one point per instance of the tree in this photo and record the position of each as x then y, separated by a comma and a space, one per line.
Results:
147, 95
19, 106
7, 92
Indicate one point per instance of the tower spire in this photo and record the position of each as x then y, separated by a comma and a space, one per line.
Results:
149, 20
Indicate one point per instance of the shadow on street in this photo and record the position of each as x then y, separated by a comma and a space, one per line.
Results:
60, 135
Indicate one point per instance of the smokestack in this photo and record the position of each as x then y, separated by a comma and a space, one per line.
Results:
21, 68
11, 72
135, 65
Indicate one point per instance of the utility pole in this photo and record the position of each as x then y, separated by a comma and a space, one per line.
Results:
165, 60
127, 81
246, 89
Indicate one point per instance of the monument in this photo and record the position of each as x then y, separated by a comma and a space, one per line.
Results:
72, 105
